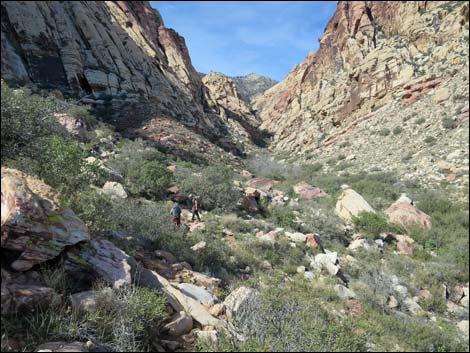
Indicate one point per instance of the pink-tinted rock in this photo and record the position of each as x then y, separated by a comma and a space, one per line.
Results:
262, 183
407, 215
404, 248
312, 241
308, 191
34, 223
424, 293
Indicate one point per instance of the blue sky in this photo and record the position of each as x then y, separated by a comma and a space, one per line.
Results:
240, 37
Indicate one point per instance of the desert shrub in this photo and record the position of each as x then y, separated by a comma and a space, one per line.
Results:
82, 113
62, 165
384, 132
149, 179
449, 123
282, 216
148, 223
26, 121
397, 130
370, 223
213, 183
266, 166
290, 317
93, 208
215, 257
341, 157
145, 175
430, 140
315, 167
420, 121
123, 324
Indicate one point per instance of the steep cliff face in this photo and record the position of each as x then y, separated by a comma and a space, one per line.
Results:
249, 86
371, 54
110, 48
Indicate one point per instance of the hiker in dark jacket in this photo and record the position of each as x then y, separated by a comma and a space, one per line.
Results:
195, 206
176, 214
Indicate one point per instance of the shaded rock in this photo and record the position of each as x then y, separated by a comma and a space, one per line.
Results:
108, 261
23, 297
33, 222
190, 305
407, 215
198, 293
250, 203
89, 301
350, 204
168, 257
180, 324
307, 191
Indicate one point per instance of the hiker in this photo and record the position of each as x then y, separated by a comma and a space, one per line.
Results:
176, 214
195, 205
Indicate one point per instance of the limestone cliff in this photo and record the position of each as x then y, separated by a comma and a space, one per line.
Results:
370, 54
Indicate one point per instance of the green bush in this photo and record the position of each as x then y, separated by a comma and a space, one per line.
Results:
63, 166
384, 132
449, 123
397, 130
430, 140
282, 216
82, 113
420, 121
213, 183
370, 223
94, 208
145, 175
150, 179
289, 317
26, 121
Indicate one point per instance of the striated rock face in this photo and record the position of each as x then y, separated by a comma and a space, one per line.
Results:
120, 49
223, 97
251, 85
375, 61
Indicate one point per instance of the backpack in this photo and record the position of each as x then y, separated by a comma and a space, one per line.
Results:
175, 211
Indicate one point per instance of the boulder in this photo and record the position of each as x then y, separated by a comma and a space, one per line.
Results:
413, 307
350, 204
89, 301
217, 310
165, 255
407, 215
344, 292
24, 297
392, 302
115, 190
327, 261
250, 204
463, 327
313, 241
180, 324
33, 222
268, 237
297, 237
307, 191
107, 260
208, 336
404, 248
190, 305
240, 302
261, 183
199, 246
75, 127
441, 94
196, 292
204, 280
358, 243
